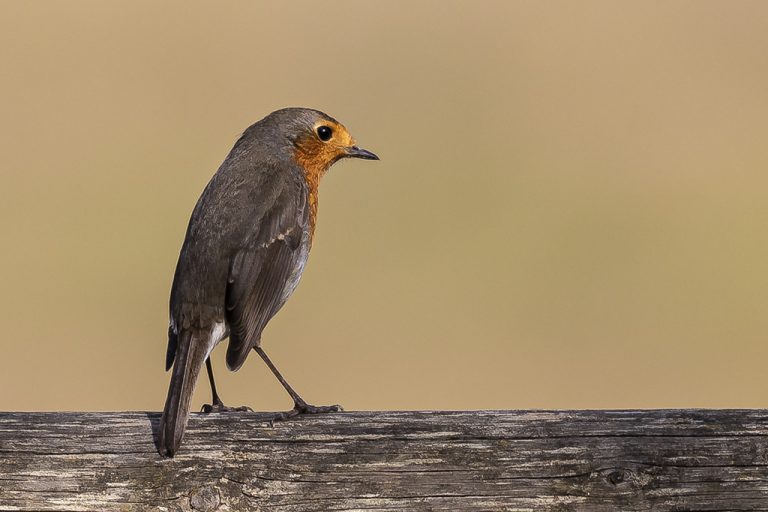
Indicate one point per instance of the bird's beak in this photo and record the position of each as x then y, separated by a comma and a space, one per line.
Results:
356, 152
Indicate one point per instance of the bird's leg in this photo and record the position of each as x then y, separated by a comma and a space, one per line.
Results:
299, 405
217, 405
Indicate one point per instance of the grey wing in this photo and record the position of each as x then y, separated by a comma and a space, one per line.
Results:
260, 270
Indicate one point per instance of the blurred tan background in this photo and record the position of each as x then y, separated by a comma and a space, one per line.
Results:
570, 210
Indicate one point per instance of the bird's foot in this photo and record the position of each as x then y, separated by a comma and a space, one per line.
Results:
218, 406
304, 408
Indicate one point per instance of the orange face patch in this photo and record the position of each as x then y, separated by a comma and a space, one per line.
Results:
315, 156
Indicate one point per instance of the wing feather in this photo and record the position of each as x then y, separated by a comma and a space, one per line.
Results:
260, 270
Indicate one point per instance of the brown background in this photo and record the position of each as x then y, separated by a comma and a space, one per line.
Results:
570, 210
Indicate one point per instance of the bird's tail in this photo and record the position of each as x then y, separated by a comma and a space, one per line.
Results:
192, 349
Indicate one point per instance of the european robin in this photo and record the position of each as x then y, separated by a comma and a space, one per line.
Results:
244, 252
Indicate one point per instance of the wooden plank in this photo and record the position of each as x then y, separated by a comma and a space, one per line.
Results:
660, 460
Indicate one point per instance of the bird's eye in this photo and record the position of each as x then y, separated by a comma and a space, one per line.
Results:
325, 133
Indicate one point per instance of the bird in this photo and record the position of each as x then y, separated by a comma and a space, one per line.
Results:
245, 249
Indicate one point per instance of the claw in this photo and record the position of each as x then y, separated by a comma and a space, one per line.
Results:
304, 408
219, 407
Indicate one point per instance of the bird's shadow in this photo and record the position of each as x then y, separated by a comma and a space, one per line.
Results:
154, 423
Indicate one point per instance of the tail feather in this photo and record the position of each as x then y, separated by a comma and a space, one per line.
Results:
192, 349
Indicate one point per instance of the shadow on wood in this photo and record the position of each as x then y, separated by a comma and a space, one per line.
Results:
665, 460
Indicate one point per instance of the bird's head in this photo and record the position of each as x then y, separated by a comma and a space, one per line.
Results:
318, 140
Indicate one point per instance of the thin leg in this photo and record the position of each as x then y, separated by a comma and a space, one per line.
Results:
299, 405
215, 400
217, 405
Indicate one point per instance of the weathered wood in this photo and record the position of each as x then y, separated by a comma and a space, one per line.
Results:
666, 460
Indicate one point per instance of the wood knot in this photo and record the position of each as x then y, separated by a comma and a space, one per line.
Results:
616, 477
205, 499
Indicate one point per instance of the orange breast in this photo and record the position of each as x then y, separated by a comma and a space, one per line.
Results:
315, 157
314, 169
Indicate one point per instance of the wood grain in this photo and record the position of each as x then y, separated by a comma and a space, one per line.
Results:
661, 460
